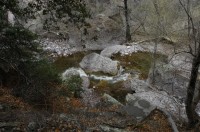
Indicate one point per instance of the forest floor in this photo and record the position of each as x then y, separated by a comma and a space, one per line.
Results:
17, 115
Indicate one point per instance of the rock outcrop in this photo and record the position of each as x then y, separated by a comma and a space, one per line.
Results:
138, 107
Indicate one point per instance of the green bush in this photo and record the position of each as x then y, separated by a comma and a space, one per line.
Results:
40, 82
74, 84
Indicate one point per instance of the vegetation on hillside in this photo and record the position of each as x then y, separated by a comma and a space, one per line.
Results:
22, 66
29, 79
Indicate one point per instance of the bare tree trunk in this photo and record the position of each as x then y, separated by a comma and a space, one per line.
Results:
154, 62
128, 32
190, 106
159, 25
191, 102
196, 99
189, 25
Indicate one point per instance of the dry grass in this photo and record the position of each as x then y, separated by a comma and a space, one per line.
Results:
140, 61
65, 62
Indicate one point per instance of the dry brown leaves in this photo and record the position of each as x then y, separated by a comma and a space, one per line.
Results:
155, 122
7, 98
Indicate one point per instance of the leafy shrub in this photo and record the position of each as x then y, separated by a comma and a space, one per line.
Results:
74, 84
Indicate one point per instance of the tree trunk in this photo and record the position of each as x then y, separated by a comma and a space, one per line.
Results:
190, 106
128, 32
154, 62
157, 39
189, 24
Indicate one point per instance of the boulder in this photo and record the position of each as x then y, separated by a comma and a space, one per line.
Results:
95, 63
76, 71
138, 107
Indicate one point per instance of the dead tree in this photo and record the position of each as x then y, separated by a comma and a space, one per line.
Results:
194, 50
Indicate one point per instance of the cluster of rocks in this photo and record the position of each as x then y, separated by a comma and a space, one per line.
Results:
143, 101
171, 79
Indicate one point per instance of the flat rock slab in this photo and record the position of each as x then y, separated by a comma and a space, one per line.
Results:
95, 63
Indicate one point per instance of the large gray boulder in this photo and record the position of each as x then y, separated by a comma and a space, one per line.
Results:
95, 63
138, 107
